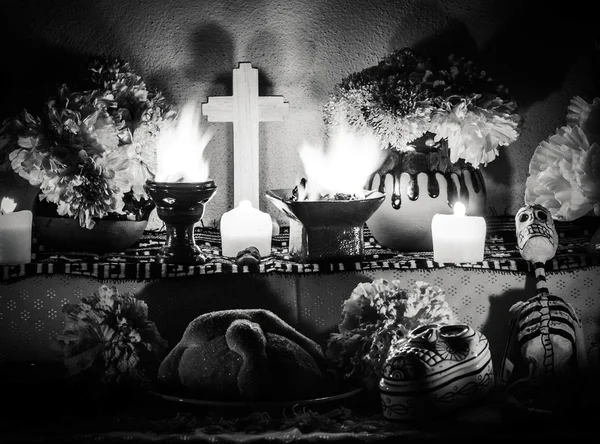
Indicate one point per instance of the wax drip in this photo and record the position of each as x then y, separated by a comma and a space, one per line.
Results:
452, 193
412, 189
382, 184
478, 182
396, 199
433, 186
464, 192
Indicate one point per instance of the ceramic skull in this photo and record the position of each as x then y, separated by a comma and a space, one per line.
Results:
537, 238
433, 346
435, 369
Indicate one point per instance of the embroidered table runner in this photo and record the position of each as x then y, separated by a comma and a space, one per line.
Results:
137, 262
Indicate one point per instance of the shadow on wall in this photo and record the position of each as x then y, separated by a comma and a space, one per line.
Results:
34, 73
35, 60
174, 304
265, 46
596, 61
496, 327
455, 39
535, 49
212, 58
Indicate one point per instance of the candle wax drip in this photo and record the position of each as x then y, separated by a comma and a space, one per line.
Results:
412, 189
433, 186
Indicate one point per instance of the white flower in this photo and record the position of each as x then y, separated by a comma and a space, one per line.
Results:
142, 156
474, 134
586, 116
564, 174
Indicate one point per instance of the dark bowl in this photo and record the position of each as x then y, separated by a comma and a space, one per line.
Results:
339, 213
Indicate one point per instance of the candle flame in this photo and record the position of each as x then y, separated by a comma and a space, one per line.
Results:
7, 205
344, 167
180, 150
459, 209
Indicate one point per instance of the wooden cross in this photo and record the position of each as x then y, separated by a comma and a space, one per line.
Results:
245, 109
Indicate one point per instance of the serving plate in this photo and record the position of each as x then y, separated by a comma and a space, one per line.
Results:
165, 394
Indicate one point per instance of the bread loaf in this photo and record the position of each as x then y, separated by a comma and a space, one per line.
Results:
245, 354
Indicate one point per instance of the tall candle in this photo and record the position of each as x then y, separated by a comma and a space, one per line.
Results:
458, 238
15, 234
245, 227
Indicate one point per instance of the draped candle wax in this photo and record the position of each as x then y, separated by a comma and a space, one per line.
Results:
458, 238
15, 234
245, 227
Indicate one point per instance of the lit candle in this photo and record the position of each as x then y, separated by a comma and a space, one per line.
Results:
458, 238
15, 234
245, 227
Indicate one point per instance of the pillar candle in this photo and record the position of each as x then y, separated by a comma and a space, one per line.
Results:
15, 234
458, 238
245, 227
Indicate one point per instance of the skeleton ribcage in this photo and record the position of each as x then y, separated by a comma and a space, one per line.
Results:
545, 315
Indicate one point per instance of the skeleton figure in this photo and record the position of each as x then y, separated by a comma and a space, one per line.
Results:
549, 333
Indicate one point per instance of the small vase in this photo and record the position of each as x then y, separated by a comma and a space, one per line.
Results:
403, 222
62, 233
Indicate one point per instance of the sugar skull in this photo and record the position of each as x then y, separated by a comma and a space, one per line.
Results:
537, 238
436, 369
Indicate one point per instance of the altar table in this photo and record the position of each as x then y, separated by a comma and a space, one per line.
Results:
308, 296
51, 409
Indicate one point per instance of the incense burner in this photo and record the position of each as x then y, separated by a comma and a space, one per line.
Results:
180, 205
438, 369
326, 229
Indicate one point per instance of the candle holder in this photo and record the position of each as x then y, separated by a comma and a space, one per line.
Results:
180, 205
326, 229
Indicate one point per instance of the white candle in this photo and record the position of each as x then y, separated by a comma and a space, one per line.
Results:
245, 227
15, 234
458, 238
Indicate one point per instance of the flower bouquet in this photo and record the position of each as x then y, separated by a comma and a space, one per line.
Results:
91, 151
564, 171
375, 320
110, 334
438, 122
434, 114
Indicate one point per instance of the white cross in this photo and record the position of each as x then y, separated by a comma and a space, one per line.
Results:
245, 109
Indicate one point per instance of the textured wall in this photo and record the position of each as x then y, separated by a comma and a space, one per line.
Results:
302, 48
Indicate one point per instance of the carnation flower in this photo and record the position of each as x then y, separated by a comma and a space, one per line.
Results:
586, 116
408, 96
375, 319
141, 152
110, 333
564, 171
475, 132
91, 152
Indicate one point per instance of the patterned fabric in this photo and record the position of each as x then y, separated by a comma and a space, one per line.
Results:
137, 263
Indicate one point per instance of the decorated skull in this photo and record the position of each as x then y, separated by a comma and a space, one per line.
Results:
537, 238
433, 346
436, 368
